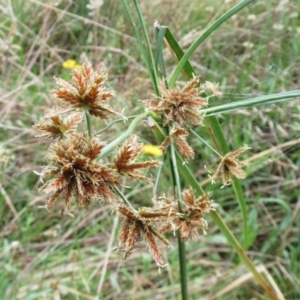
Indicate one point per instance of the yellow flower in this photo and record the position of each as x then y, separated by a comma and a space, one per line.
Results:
71, 64
152, 150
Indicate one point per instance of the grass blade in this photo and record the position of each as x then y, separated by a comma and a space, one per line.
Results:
205, 35
147, 57
266, 99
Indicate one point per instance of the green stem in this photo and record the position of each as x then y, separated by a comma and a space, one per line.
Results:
123, 198
112, 123
182, 265
107, 149
181, 244
88, 122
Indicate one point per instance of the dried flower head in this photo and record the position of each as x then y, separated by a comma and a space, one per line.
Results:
125, 160
180, 105
190, 219
134, 228
228, 165
58, 126
74, 172
86, 91
178, 136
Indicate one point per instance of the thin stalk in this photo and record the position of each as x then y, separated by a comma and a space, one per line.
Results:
88, 122
113, 122
123, 197
205, 143
181, 244
110, 147
152, 64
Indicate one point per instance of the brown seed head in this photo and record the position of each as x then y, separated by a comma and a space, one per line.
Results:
125, 160
178, 136
190, 219
229, 165
74, 173
58, 127
136, 227
86, 91
180, 105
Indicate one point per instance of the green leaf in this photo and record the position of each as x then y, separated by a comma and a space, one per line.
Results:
266, 99
146, 52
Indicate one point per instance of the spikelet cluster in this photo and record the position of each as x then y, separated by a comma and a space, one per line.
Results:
148, 224
86, 92
73, 171
179, 105
230, 165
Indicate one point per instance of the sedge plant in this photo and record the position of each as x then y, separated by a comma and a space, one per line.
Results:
81, 168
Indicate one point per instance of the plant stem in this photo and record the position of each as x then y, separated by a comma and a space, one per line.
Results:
123, 197
181, 244
88, 122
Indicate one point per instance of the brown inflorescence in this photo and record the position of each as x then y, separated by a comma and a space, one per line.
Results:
178, 136
86, 91
177, 105
136, 227
189, 218
75, 173
230, 165
125, 161
58, 126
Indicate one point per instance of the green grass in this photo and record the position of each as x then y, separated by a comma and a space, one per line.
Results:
42, 254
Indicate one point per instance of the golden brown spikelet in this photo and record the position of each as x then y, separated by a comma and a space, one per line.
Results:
190, 219
177, 105
230, 165
57, 126
86, 91
75, 174
125, 161
134, 228
178, 136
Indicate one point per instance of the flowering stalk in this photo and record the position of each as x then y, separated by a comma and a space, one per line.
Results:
181, 243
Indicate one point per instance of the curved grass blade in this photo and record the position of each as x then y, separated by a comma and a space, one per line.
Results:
177, 53
204, 35
160, 32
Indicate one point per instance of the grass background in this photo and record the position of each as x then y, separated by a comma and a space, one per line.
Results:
44, 256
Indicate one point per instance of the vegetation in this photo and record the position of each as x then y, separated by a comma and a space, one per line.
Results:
251, 51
